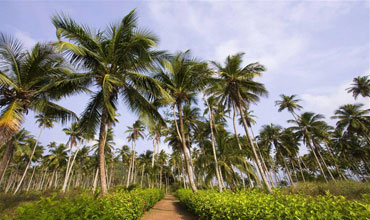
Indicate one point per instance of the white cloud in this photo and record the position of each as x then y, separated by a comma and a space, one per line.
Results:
25, 38
330, 99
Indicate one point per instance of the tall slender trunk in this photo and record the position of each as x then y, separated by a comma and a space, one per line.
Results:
29, 162
188, 168
142, 175
154, 148
2, 176
287, 170
267, 185
160, 178
235, 131
214, 145
29, 183
264, 165
95, 179
129, 171
133, 174
10, 181
326, 166
334, 160
102, 139
317, 159
43, 179
300, 169
69, 168
7, 156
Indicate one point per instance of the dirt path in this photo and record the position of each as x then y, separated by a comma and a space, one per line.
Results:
168, 208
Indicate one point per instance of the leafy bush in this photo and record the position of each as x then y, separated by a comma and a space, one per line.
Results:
253, 204
119, 205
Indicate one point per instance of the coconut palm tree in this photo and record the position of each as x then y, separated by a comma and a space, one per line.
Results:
353, 119
135, 131
144, 160
114, 61
182, 78
309, 127
155, 130
360, 86
235, 88
27, 83
290, 103
75, 138
271, 135
44, 122
211, 104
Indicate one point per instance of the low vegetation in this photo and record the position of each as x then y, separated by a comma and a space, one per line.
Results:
350, 189
255, 204
122, 204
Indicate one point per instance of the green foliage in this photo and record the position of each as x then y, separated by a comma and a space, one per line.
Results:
253, 204
119, 205
350, 189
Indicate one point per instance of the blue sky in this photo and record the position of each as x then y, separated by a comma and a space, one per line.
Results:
310, 48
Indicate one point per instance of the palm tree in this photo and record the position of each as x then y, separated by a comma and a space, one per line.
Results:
19, 139
290, 103
113, 60
360, 86
353, 119
75, 137
271, 135
236, 88
44, 122
162, 160
211, 103
144, 161
155, 130
309, 127
135, 132
182, 78
27, 82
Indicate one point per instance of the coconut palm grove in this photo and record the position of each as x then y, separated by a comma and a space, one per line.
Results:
207, 157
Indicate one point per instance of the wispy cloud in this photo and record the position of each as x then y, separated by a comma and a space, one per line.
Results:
25, 38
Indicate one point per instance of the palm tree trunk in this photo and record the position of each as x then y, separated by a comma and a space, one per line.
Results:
335, 162
30, 181
2, 176
133, 175
102, 139
317, 159
95, 179
8, 154
160, 178
10, 181
154, 148
142, 176
326, 166
129, 171
42, 179
188, 168
267, 185
214, 146
287, 170
300, 169
69, 168
29, 162
235, 131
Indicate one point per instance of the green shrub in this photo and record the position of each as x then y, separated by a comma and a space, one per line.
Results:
254, 204
119, 205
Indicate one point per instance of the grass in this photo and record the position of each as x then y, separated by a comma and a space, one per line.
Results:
350, 189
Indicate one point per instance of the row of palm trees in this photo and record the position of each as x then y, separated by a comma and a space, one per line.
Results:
121, 63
